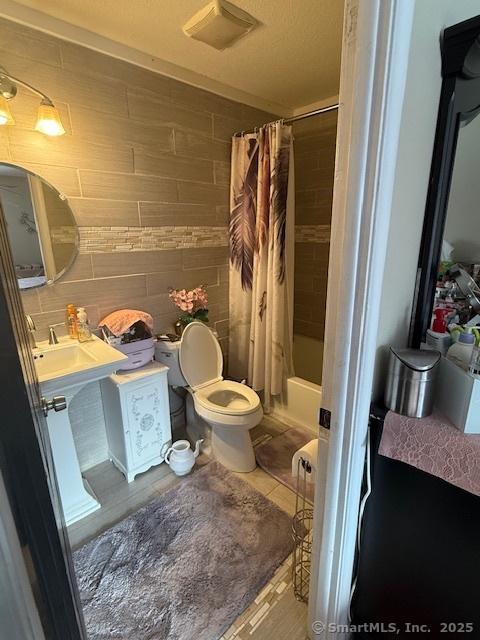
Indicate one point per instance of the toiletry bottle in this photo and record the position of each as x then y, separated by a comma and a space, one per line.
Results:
461, 352
84, 333
438, 336
71, 321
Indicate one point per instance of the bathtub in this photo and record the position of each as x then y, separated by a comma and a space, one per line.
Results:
299, 405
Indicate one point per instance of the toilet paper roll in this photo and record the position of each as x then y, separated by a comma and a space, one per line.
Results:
309, 453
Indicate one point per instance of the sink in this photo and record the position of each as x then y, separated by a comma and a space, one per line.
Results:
63, 369
71, 363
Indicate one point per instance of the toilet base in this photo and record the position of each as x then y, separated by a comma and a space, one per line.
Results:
233, 448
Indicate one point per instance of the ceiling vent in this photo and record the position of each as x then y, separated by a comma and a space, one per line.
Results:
219, 24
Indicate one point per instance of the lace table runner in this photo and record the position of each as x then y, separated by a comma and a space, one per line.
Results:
435, 446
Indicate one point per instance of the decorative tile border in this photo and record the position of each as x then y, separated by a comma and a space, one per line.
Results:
268, 598
319, 233
121, 239
63, 235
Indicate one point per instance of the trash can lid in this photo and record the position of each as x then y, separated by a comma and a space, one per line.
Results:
417, 359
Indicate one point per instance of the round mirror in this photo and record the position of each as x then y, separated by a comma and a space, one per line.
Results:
41, 227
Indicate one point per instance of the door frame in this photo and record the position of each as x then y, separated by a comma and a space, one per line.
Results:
376, 41
27, 470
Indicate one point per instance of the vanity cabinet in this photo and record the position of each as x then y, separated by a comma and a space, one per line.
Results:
137, 418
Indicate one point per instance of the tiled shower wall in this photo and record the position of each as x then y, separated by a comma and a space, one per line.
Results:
145, 168
314, 147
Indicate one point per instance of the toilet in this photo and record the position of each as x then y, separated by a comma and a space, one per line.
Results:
220, 411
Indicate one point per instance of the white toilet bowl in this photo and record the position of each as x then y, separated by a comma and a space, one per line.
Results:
229, 409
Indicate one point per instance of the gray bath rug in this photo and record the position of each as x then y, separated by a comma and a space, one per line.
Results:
275, 457
186, 565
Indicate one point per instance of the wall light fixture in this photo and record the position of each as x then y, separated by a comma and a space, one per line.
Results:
48, 118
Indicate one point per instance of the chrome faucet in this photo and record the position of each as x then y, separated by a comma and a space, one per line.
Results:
52, 336
31, 330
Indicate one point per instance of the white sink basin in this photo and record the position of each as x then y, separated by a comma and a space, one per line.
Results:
71, 363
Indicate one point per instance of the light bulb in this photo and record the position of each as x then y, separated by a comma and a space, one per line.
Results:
5, 113
48, 120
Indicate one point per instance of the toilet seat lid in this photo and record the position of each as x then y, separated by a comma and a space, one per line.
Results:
201, 359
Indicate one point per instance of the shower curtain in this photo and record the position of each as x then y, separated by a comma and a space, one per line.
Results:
262, 259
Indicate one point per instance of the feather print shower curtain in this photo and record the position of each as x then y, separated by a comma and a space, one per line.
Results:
261, 259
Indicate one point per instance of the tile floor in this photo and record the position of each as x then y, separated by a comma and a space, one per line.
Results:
275, 613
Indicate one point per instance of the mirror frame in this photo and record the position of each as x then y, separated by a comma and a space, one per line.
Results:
459, 101
64, 198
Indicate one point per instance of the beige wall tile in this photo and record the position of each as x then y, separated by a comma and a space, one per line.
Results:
222, 173
171, 166
223, 213
96, 184
4, 145
78, 58
196, 146
30, 301
93, 125
140, 151
102, 213
64, 179
162, 282
24, 42
153, 214
111, 291
224, 127
131, 262
81, 269
202, 193
187, 95
205, 257
152, 110
221, 327
257, 117
29, 146
103, 94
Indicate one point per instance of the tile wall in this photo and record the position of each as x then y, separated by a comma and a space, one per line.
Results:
145, 166
314, 146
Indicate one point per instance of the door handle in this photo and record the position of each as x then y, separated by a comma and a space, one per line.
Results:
57, 403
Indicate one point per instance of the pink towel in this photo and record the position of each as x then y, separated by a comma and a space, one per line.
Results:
433, 445
119, 322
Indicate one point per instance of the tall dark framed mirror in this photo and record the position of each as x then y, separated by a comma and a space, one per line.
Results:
449, 259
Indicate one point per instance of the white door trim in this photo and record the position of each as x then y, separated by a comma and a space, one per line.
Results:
374, 64
20, 617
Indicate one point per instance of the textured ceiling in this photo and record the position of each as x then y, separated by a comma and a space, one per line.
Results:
292, 58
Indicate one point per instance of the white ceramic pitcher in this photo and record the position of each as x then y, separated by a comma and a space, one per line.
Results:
181, 457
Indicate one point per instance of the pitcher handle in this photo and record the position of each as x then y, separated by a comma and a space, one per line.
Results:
168, 452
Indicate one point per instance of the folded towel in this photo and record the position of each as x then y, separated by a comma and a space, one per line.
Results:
119, 322
435, 446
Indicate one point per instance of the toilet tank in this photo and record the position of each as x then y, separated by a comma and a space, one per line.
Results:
167, 353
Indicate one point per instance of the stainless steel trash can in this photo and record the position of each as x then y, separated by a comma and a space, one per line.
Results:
411, 381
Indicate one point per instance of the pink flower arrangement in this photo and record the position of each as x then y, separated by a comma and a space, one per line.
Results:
194, 303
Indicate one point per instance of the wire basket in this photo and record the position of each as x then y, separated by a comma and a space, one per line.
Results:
302, 534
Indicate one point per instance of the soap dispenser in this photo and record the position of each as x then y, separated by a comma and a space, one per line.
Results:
438, 336
84, 333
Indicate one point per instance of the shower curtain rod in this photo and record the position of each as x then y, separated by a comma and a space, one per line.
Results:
301, 116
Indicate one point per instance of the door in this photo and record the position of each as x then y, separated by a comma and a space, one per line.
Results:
27, 467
